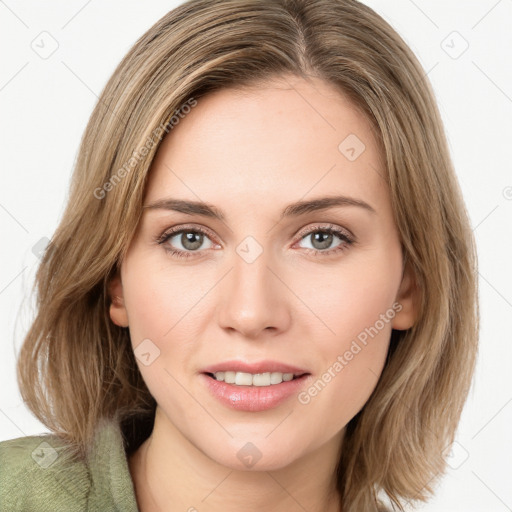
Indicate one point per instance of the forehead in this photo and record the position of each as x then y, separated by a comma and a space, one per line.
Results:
274, 142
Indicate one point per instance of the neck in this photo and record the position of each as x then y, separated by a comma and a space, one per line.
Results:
170, 473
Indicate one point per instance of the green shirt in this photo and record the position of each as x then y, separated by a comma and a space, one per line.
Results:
36, 475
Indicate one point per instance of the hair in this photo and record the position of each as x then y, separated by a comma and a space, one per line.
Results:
76, 366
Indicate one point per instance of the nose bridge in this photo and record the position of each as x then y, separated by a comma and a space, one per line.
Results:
251, 277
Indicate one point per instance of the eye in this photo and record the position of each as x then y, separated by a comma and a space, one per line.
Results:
322, 238
190, 239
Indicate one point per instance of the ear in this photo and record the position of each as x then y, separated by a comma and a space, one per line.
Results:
118, 313
408, 298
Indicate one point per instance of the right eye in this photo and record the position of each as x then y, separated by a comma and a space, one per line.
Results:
190, 239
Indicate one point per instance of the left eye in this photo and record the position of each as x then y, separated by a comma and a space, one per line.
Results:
323, 238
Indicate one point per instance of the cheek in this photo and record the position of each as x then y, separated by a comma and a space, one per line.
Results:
159, 306
166, 316
350, 297
160, 298
356, 306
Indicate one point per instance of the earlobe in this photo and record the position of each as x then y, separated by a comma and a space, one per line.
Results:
408, 300
118, 313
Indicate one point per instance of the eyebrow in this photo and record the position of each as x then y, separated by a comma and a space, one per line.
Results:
292, 210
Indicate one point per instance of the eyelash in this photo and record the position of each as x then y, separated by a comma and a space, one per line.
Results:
330, 229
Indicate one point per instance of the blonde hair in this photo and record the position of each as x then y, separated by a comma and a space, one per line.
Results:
76, 366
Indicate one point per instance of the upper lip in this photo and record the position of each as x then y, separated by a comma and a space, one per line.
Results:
256, 367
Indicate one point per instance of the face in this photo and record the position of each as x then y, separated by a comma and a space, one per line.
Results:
260, 276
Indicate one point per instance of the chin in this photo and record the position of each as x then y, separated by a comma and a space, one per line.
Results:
254, 454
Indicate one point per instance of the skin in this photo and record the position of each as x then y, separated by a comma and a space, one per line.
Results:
251, 153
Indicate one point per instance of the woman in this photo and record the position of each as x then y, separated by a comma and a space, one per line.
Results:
263, 282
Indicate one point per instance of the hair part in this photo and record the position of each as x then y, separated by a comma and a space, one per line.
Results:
76, 367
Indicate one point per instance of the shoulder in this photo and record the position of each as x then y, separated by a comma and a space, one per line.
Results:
36, 473
42, 473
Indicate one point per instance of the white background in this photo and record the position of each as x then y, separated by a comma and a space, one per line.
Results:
46, 103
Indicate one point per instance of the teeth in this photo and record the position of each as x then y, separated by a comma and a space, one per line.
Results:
249, 379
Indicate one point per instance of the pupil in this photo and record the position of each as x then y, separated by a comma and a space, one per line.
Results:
187, 239
326, 242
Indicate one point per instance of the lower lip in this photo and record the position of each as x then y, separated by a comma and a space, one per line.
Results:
253, 398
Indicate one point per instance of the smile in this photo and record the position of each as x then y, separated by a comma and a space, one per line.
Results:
253, 379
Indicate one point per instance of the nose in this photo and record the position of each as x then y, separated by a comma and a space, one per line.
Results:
254, 298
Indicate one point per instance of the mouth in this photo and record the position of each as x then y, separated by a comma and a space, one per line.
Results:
254, 379
237, 372
254, 392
